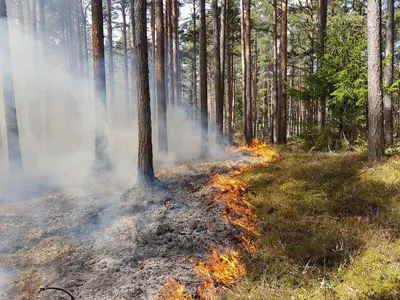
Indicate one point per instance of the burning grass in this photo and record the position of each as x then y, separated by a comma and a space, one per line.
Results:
223, 268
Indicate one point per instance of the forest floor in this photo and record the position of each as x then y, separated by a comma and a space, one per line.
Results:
329, 225
97, 241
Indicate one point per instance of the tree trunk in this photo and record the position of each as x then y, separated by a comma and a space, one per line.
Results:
133, 58
14, 150
283, 110
203, 80
160, 74
21, 20
153, 97
175, 50
145, 154
195, 100
276, 124
219, 105
110, 51
101, 145
388, 73
243, 41
125, 47
223, 47
375, 101
33, 19
230, 95
249, 109
322, 7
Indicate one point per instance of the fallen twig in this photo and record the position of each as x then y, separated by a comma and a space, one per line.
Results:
57, 289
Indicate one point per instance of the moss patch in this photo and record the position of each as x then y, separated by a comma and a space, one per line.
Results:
330, 228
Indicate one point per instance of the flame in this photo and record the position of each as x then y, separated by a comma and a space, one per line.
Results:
224, 267
173, 290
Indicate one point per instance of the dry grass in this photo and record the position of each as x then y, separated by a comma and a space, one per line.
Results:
330, 229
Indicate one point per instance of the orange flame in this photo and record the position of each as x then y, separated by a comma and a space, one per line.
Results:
173, 290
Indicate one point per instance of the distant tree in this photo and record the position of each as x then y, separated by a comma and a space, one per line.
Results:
145, 153
281, 139
101, 145
322, 19
125, 49
33, 19
133, 56
203, 80
160, 75
110, 50
388, 73
219, 105
248, 111
375, 101
14, 150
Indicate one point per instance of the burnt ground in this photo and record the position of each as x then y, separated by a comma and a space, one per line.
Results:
101, 242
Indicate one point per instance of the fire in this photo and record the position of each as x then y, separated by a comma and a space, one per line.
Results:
173, 290
224, 267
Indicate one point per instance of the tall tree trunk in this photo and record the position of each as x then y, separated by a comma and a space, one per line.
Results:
388, 73
243, 41
110, 50
249, 110
283, 110
14, 150
175, 49
133, 58
195, 100
219, 105
42, 23
145, 154
33, 19
203, 80
230, 95
322, 7
375, 101
223, 51
21, 20
160, 73
101, 145
125, 47
85, 38
275, 103
153, 97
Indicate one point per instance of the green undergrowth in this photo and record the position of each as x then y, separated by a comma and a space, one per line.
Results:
329, 227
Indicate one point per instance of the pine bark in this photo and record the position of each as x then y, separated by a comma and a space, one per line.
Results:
244, 88
125, 48
14, 150
194, 66
276, 124
249, 109
219, 105
175, 50
203, 80
133, 58
101, 145
388, 73
110, 50
322, 15
160, 78
283, 80
145, 153
375, 98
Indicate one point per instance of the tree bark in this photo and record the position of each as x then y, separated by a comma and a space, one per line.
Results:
175, 50
249, 109
276, 124
203, 80
223, 52
153, 97
230, 95
243, 41
219, 105
194, 66
14, 150
283, 110
101, 145
110, 51
160, 75
375, 101
145, 154
388, 73
33, 19
133, 58
322, 13
125, 47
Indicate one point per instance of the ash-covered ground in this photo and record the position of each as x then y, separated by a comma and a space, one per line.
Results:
103, 242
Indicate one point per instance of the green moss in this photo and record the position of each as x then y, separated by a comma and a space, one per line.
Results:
322, 219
